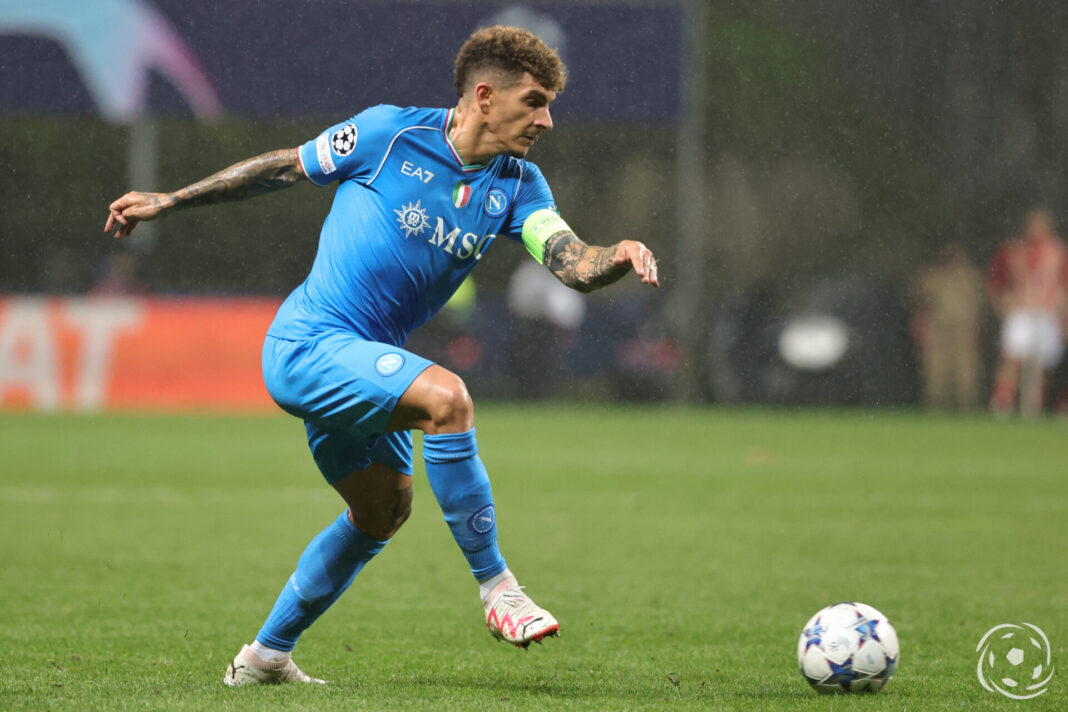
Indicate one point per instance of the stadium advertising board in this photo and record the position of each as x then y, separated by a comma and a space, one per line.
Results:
93, 354
280, 58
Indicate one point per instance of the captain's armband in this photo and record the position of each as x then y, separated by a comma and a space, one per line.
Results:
538, 228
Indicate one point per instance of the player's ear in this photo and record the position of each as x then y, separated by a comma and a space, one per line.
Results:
483, 94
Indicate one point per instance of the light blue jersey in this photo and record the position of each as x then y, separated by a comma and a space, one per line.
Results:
408, 223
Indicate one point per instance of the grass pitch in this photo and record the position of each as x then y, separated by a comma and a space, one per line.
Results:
682, 551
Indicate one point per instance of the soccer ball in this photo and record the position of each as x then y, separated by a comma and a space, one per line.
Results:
848, 647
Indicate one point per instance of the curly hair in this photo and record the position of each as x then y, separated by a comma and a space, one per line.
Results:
511, 50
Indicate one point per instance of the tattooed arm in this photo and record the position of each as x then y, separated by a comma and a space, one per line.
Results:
261, 174
588, 267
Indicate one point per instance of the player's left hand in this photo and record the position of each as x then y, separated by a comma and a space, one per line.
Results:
640, 258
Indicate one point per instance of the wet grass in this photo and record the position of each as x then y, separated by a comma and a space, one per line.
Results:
681, 549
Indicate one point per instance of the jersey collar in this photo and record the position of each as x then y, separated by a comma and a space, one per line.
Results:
465, 167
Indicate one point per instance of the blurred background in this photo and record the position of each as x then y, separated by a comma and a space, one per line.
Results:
828, 188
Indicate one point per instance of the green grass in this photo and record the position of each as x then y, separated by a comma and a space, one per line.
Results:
682, 551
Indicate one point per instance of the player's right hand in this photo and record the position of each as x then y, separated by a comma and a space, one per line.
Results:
640, 257
132, 208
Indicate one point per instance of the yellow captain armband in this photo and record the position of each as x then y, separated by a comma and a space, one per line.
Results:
539, 226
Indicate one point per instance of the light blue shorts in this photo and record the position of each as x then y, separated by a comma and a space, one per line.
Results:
344, 389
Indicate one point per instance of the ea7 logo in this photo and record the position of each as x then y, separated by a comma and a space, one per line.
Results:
471, 245
415, 171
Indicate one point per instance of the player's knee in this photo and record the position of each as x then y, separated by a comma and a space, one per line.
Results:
452, 410
383, 524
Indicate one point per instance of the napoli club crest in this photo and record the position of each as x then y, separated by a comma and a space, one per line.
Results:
496, 203
388, 364
482, 521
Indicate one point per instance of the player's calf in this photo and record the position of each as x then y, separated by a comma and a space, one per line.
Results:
462, 487
379, 499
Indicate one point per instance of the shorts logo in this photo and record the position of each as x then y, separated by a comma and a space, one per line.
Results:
322, 152
344, 140
482, 521
388, 364
496, 203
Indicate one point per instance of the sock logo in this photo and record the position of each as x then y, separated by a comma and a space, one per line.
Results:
482, 521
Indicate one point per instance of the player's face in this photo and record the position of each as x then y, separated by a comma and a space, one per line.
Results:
519, 114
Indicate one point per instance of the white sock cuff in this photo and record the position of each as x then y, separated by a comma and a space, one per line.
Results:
484, 587
269, 655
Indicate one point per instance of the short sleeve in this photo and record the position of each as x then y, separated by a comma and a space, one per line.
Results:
532, 194
350, 149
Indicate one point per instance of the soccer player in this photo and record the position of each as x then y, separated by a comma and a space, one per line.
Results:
1028, 286
422, 193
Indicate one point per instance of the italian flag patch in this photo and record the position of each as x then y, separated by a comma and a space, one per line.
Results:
461, 194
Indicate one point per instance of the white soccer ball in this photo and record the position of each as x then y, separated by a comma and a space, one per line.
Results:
848, 647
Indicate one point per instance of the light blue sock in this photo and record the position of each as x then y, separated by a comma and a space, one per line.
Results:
326, 568
462, 487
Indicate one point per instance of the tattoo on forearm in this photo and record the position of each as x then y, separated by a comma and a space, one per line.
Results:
255, 176
581, 266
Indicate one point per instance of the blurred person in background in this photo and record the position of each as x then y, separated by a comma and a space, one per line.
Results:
948, 297
423, 193
118, 277
1028, 286
547, 317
